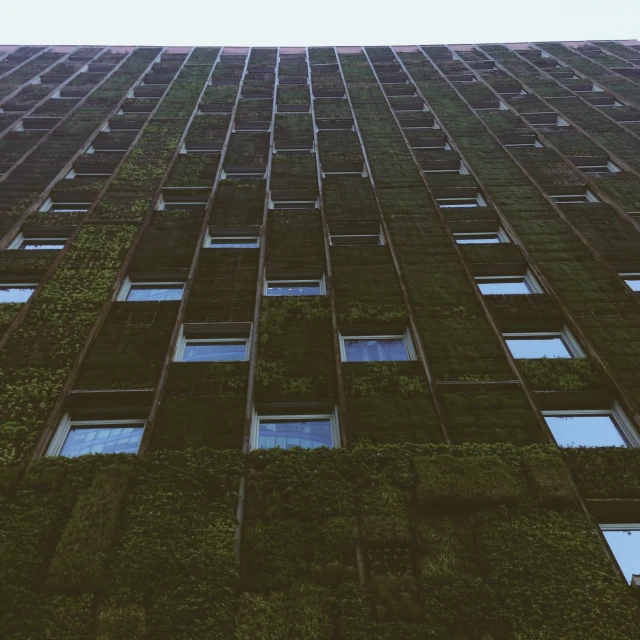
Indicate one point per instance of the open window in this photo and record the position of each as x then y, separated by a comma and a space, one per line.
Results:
521, 140
224, 237
228, 342
16, 292
571, 195
595, 164
362, 235
41, 239
67, 203
608, 427
278, 285
384, 347
545, 119
623, 539
480, 234
183, 199
459, 198
632, 280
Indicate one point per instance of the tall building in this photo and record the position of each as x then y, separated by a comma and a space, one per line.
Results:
368, 316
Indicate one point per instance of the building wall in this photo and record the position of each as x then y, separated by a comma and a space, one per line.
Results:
445, 509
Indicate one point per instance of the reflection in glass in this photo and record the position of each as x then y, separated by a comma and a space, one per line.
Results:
375, 349
288, 433
585, 431
544, 347
478, 238
311, 288
233, 243
106, 438
633, 283
504, 287
154, 292
40, 245
15, 293
204, 351
625, 546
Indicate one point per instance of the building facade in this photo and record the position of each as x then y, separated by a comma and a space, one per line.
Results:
359, 328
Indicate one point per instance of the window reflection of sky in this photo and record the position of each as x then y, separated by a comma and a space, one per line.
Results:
105, 439
548, 347
214, 352
154, 293
284, 433
625, 546
15, 294
585, 431
504, 288
378, 349
293, 289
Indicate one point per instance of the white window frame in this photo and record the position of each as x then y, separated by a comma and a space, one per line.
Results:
500, 233
406, 337
531, 282
461, 170
127, 284
378, 235
20, 238
567, 338
615, 412
257, 418
478, 201
270, 281
18, 285
587, 194
183, 340
630, 276
241, 237
60, 436
73, 207
610, 167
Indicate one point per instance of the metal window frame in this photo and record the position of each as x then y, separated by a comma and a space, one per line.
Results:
477, 201
630, 276
618, 417
125, 289
499, 233
405, 337
379, 235
567, 338
257, 418
610, 167
62, 432
183, 340
208, 238
20, 238
588, 196
320, 281
50, 205
526, 277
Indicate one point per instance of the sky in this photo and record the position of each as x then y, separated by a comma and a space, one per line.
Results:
328, 22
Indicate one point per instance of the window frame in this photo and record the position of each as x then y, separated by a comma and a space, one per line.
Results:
64, 428
620, 421
567, 338
257, 417
21, 238
240, 237
127, 283
72, 207
181, 345
19, 285
379, 235
620, 526
609, 167
478, 199
588, 195
635, 276
321, 281
528, 278
405, 337
500, 233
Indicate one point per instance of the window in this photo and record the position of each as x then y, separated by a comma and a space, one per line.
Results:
508, 285
78, 438
632, 280
496, 236
295, 287
288, 431
624, 543
430, 143
232, 242
293, 200
33, 243
137, 291
521, 141
488, 105
626, 116
458, 198
82, 174
62, 204
211, 343
366, 235
183, 199
545, 119
595, 164
377, 348
591, 428
444, 166
16, 292
569, 195
543, 344
604, 101
511, 91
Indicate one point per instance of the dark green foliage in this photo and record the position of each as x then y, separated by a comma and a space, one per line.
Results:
559, 374
238, 202
204, 406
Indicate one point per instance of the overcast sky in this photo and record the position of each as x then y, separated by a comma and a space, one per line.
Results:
325, 22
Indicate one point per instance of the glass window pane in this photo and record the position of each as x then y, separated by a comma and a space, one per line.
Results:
151, 292
123, 438
489, 238
293, 289
37, 245
506, 287
233, 243
214, 351
15, 294
547, 347
585, 431
625, 546
288, 433
633, 283
363, 350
